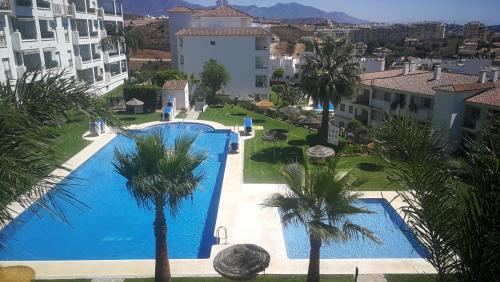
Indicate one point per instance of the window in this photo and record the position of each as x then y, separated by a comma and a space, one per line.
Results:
70, 59
212, 43
356, 111
387, 96
342, 107
181, 59
341, 124
261, 62
366, 92
426, 103
350, 109
181, 41
51, 58
6, 67
260, 81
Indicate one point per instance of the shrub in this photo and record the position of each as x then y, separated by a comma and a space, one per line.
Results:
149, 94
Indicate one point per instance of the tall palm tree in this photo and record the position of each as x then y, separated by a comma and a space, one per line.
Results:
329, 74
322, 199
131, 37
29, 110
159, 177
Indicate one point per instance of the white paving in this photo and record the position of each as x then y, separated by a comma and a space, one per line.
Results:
241, 212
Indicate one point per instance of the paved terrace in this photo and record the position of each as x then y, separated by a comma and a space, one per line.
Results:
240, 211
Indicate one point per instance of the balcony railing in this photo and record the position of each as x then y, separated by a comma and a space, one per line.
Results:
96, 56
63, 10
51, 64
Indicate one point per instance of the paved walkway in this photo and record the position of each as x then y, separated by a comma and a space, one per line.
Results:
192, 115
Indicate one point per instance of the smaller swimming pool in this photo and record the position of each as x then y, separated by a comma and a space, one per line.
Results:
385, 222
319, 107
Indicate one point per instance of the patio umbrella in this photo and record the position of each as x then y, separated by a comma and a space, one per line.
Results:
264, 104
241, 262
320, 153
275, 135
245, 98
136, 104
290, 111
223, 92
310, 122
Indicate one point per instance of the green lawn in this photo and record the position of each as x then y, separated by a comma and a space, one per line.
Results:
260, 164
410, 278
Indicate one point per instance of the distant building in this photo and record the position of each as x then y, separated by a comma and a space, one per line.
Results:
179, 89
230, 37
475, 31
468, 49
368, 65
456, 104
289, 64
427, 30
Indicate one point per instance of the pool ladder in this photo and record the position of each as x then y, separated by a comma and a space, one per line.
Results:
218, 235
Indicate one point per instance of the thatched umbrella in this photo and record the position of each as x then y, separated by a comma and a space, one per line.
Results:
264, 104
245, 98
223, 93
275, 135
290, 111
241, 262
136, 104
320, 153
310, 121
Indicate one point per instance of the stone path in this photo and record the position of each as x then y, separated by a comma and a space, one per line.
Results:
371, 278
192, 115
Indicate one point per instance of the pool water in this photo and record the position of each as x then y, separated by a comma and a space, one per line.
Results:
113, 226
385, 223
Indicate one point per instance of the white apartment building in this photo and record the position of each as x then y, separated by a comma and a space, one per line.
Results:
231, 38
456, 104
289, 64
63, 34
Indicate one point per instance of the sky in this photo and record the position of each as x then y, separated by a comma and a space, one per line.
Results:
459, 11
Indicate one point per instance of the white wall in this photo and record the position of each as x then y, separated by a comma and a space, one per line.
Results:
221, 22
181, 97
236, 53
177, 22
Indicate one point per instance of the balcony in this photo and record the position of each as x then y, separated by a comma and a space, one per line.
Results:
5, 6
363, 100
100, 13
381, 104
63, 10
3, 41
43, 4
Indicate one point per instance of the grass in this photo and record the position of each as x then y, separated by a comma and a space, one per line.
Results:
410, 277
260, 165
117, 92
181, 115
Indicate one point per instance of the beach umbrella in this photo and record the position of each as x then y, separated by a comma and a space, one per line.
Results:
264, 104
290, 111
320, 153
275, 135
241, 262
245, 98
136, 104
310, 121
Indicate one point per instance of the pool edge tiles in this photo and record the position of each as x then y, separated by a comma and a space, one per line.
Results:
398, 242
209, 220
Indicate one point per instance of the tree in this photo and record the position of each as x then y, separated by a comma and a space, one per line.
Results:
330, 74
278, 73
161, 76
416, 160
131, 37
293, 96
159, 177
29, 110
321, 199
214, 76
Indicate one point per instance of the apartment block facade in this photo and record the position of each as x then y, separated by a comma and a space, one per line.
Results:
457, 104
475, 31
74, 35
231, 38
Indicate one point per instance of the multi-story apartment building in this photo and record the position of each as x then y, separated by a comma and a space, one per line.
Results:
427, 30
63, 34
475, 31
457, 104
231, 38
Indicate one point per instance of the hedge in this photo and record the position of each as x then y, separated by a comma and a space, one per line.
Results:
149, 94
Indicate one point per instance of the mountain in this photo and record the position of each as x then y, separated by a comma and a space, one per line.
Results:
154, 7
278, 11
297, 11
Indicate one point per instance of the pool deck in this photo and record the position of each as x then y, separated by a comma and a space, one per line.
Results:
240, 211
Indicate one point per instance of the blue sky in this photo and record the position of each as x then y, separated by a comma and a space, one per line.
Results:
459, 11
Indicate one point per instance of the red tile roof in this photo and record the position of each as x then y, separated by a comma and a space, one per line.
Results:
489, 98
175, 84
180, 9
464, 87
224, 11
225, 31
420, 82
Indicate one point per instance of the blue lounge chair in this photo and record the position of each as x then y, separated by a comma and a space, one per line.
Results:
234, 141
247, 123
166, 113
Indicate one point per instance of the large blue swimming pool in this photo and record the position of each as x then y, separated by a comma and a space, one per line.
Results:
114, 227
385, 222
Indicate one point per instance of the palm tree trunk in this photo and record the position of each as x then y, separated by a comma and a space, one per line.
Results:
313, 271
325, 117
162, 265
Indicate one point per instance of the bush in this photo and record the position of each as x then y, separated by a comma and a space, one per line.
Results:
149, 94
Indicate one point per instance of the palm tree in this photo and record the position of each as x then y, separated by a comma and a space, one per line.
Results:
331, 73
29, 111
131, 37
159, 177
321, 199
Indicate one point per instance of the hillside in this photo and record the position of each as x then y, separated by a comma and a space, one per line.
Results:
289, 33
278, 11
155, 33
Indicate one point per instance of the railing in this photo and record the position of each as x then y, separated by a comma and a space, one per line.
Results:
99, 78
4, 4
100, 13
51, 64
50, 35
96, 56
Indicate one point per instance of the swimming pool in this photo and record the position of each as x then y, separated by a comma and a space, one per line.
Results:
385, 222
114, 227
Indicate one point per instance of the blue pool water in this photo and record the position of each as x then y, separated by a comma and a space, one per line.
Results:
114, 227
385, 222
319, 107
